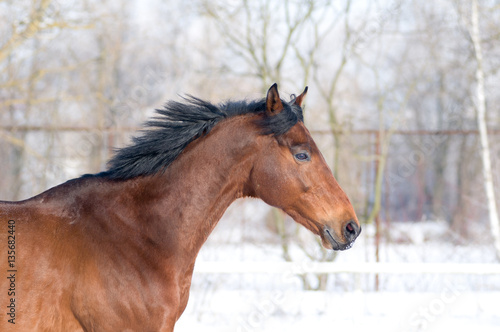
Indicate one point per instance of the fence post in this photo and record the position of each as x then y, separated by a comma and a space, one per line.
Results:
377, 216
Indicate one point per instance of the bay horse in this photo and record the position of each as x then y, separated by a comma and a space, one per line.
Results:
115, 251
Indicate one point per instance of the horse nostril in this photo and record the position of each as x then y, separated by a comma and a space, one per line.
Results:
351, 231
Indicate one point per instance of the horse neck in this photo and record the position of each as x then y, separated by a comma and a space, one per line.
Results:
190, 197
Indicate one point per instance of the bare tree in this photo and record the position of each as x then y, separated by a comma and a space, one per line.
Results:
483, 133
35, 24
279, 41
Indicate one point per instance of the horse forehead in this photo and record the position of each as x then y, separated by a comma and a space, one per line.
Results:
299, 134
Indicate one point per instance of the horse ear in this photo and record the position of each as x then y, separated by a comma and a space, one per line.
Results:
273, 101
300, 98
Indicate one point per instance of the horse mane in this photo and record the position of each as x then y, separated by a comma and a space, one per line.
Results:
178, 124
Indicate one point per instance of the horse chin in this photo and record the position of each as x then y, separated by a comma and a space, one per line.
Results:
327, 235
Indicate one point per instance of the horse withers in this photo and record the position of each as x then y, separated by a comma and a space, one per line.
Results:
115, 251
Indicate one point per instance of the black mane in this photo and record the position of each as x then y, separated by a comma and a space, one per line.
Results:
178, 124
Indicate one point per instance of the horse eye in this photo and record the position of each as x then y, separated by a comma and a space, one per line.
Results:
302, 156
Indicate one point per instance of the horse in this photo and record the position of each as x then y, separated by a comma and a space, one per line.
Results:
115, 251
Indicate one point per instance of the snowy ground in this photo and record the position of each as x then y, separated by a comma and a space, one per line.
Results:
353, 311
404, 302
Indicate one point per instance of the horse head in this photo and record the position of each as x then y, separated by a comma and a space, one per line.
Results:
290, 173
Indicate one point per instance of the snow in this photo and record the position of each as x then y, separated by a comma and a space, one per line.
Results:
272, 301
355, 311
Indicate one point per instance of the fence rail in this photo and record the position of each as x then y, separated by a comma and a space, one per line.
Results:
120, 129
355, 268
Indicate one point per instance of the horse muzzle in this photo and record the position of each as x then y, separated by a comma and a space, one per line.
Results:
350, 231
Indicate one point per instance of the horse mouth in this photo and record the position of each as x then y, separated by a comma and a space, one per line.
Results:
327, 234
335, 245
